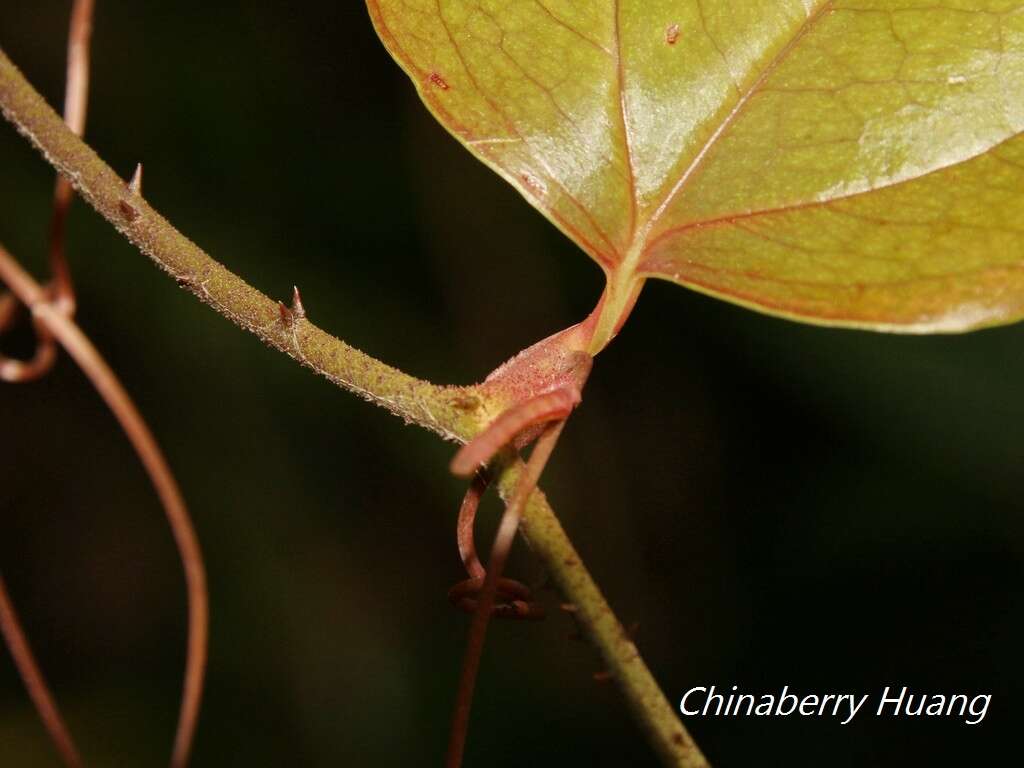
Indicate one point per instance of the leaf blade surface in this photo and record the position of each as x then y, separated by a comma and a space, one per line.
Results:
845, 163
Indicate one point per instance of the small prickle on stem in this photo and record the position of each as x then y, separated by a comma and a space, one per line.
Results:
286, 314
298, 311
135, 185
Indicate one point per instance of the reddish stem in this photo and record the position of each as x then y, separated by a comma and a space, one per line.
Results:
37, 366
550, 406
76, 99
495, 565
515, 596
78, 346
464, 527
35, 683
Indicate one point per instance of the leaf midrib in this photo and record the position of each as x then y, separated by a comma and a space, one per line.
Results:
640, 237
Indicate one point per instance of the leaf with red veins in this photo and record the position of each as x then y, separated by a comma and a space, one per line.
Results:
856, 163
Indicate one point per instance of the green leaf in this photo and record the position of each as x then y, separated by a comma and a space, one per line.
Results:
846, 163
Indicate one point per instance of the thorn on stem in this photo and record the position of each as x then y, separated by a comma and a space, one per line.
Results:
286, 314
298, 311
294, 313
135, 185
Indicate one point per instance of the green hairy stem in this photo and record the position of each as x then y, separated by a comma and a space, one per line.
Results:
456, 413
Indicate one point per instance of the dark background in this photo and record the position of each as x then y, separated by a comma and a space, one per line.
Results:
775, 504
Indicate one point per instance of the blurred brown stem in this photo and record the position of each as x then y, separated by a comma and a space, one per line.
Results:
495, 567
76, 99
70, 336
34, 681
